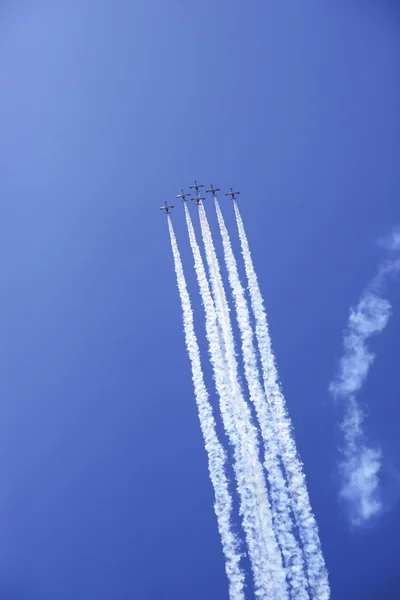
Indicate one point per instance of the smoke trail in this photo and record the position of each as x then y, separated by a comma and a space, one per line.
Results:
227, 410
215, 451
263, 549
305, 520
361, 463
280, 501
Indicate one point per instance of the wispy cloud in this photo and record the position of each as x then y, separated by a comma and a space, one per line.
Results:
361, 461
391, 241
359, 468
368, 318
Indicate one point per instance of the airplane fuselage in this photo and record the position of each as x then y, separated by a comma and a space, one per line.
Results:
232, 194
166, 208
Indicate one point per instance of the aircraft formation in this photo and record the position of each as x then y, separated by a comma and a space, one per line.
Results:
197, 198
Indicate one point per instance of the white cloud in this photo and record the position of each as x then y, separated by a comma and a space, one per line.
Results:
361, 462
391, 242
359, 468
370, 317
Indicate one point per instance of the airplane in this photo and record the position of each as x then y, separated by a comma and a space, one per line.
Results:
198, 199
232, 194
183, 196
213, 191
166, 208
196, 187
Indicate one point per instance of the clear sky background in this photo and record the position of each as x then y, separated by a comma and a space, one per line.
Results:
107, 110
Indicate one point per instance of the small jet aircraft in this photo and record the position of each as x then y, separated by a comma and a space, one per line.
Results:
213, 191
232, 194
183, 196
196, 187
198, 200
166, 208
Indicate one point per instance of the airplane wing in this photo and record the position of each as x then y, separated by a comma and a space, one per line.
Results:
179, 196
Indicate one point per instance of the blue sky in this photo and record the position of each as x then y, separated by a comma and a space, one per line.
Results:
107, 110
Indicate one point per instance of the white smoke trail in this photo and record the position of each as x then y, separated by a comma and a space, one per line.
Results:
304, 517
361, 463
223, 387
215, 451
280, 500
264, 552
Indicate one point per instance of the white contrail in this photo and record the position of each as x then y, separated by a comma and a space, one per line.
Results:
361, 462
222, 382
281, 510
304, 517
215, 451
264, 552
